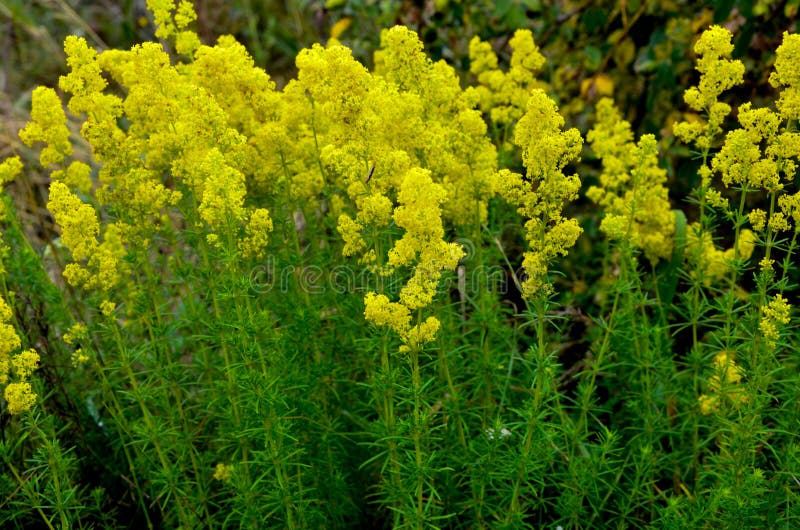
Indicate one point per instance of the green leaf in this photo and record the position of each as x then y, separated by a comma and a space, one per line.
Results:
593, 57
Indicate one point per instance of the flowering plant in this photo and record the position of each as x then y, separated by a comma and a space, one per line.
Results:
343, 303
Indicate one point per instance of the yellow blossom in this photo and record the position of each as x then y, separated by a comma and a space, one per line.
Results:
711, 263
80, 229
107, 308
787, 75
374, 209
223, 192
740, 160
78, 220
76, 176
790, 206
504, 95
724, 385
757, 218
420, 334
20, 397
10, 168
223, 472
350, 231
774, 314
419, 213
16, 367
633, 189
48, 125
546, 150
79, 357
172, 21
85, 79
708, 403
778, 222
256, 233
421, 247
718, 73
383, 312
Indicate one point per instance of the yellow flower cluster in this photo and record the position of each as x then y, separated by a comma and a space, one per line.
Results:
790, 208
10, 168
710, 263
774, 314
422, 244
421, 247
758, 156
182, 142
76, 334
787, 75
542, 195
403, 145
445, 134
504, 95
223, 472
80, 230
718, 73
208, 139
255, 241
632, 189
723, 386
172, 21
48, 125
16, 366
740, 160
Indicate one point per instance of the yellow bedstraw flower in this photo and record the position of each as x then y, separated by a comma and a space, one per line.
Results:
107, 308
256, 233
80, 229
445, 133
10, 168
724, 385
251, 105
632, 187
379, 310
76, 333
546, 150
774, 314
419, 214
504, 95
172, 21
718, 73
222, 203
16, 367
76, 176
790, 206
79, 357
758, 219
86, 83
422, 247
48, 125
711, 263
78, 220
740, 160
350, 231
787, 75
223, 472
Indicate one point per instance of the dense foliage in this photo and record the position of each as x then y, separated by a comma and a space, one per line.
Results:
403, 295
